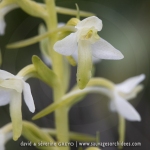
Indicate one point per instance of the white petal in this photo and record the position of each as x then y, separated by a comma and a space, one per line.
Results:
125, 109
2, 141
2, 26
89, 22
104, 50
128, 85
67, 45
8, 136
5, 96
112, 106
134, 92
16, 114
28, 97
5, 75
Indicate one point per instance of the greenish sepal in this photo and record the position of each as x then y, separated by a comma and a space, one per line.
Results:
73, 22
45, 73
73, 135
34, 134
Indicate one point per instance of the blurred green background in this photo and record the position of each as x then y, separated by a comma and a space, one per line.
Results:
126, 25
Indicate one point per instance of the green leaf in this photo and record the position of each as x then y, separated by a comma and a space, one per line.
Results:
45, 73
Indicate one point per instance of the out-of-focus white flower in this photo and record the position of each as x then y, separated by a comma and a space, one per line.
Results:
4, 137
88, 43
11, 88
126, 90
3, 12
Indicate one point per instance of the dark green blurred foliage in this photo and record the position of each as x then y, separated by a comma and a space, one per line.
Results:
126, 25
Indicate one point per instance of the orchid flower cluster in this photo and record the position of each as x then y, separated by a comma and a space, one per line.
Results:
75, 43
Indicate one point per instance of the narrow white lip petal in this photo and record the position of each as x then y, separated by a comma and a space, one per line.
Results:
67, 45
89, 22
5, 75
84, 63
5, 96
125, 109
104, 50
28, 97
16, 114
128, 85
94, 59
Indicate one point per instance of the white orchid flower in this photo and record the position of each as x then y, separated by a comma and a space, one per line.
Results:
88, 43
4, 137
126, 90
11, 88
3, 12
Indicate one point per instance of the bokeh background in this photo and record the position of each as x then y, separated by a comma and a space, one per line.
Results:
126, 25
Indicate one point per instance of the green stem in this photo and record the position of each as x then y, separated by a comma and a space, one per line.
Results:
61, 115
73, 12
27, 72
121, 131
